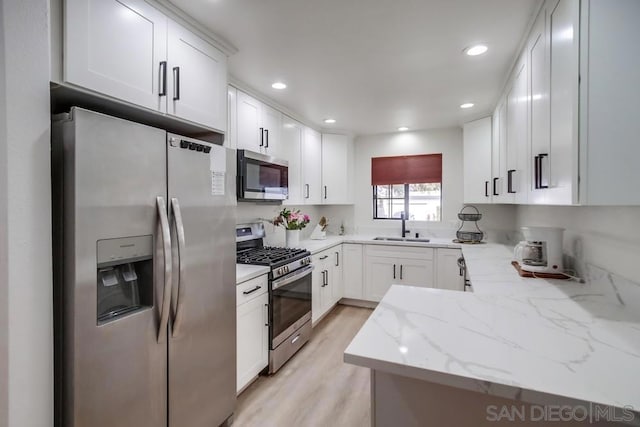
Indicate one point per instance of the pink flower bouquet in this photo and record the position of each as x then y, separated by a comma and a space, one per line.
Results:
291, 219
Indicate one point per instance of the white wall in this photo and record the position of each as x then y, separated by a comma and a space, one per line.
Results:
25, 216
608, 237
445, 141
250, 212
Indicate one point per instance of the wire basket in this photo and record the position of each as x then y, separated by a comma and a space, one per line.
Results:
470, 236
463, 216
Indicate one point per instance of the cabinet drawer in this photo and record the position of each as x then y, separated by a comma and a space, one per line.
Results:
406, 252
246, 291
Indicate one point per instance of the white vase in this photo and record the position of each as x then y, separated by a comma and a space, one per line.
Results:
293, 238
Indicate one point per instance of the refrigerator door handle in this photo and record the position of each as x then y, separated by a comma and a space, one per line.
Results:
179, 302
166, 253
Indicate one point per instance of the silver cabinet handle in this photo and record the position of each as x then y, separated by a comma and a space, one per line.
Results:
166, 252
293, 341
178, 298
307, 191
266, 307
337, 259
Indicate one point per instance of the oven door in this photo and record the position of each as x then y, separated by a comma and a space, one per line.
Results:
290, 302
262, 177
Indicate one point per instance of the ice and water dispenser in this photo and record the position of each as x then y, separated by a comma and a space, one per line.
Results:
125, 276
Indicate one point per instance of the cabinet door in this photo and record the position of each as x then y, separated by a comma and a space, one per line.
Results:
116, 48
563, 103
249, 135
252, 339
447, 271
381, 273
352, 271
415, 272
477, 161
321, 285
271, 122
312, 167
230, 137
197, 79
337, 282
335, 175
290, 150
498, 154
516, 131
538, 107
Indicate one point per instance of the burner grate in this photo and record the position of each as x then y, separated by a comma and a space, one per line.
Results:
269, 255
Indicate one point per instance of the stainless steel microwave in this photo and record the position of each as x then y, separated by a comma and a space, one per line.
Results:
262, 177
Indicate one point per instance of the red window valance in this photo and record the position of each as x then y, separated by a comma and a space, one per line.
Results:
423, 168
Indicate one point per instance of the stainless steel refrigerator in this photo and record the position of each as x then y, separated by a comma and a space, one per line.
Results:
145, 275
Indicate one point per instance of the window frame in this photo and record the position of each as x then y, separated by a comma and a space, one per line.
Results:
375, 199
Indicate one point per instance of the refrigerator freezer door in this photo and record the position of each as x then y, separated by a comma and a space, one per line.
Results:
202, 349
115, 372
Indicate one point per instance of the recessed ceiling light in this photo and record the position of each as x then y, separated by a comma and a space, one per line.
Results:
467, 105
329, 121
403, 128
478, 49
279, 85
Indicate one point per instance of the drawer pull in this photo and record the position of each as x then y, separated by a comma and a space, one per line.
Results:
293, 341
252, 290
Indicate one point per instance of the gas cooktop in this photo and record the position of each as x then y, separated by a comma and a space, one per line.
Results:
270, 256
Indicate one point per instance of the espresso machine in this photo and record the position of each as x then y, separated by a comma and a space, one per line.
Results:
541, 251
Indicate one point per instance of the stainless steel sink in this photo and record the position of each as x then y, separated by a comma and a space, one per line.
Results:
402, 239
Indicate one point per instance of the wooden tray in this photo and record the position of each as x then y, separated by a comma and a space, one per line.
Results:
524, 273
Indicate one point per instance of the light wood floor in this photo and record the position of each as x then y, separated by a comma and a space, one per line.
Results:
315, 387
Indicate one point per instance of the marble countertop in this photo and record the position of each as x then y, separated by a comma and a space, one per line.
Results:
246, 272
315, 246
534, 340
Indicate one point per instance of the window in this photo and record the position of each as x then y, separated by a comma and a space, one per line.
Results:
408, 186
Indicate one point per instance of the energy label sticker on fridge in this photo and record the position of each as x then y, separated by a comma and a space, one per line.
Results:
218, 167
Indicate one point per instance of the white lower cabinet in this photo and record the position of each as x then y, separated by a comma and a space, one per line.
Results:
252, 316
352, 270
388, 265
326, 282
448, 275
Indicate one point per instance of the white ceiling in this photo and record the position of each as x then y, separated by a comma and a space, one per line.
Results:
373, 65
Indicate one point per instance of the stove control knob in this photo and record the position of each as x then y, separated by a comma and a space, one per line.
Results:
286, 269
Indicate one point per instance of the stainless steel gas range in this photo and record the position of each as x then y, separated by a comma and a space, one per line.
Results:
289, 291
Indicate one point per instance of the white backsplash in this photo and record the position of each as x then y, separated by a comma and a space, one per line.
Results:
275, 236
607, 237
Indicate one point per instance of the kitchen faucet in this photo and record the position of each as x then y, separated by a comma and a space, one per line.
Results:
404, 225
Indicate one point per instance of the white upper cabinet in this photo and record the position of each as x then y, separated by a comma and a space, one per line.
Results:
231, 137
609, 124
312, 167
516, 136
259, 126
249, 134
291, 145
197, 79
499, 154
337, 167
117, 48
477, 161
130, 51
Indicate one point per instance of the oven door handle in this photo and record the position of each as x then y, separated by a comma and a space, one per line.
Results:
303, 272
